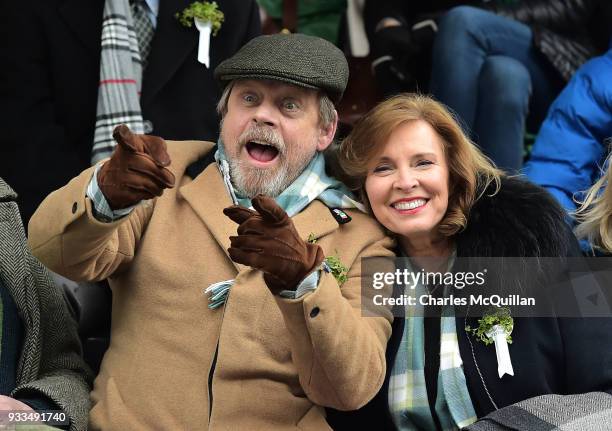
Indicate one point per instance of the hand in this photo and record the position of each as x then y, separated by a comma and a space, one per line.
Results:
8, 403
393, 51
392, 78
137, 170
396, 41
267, 240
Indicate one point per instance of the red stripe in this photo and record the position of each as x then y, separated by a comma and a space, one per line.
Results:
118, 81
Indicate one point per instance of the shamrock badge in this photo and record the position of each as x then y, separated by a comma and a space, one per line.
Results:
496, 327
208, 19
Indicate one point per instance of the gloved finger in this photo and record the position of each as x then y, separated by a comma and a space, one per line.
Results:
253, 226
269, 209
238, 214
138, 181
244, 257
144, 165
156, 147
125, 138
143, 186
250, 243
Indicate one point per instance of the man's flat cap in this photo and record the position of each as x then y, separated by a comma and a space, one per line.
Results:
298, 59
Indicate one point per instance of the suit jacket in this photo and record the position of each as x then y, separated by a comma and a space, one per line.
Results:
49, 87
549, 355
260, 362
50, 363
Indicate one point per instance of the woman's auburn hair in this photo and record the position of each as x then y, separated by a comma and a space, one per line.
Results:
470, 172
595, 212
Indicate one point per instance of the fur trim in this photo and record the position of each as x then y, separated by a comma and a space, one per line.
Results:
521, 220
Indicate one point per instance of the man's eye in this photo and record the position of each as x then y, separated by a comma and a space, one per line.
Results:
290, 106
249, 98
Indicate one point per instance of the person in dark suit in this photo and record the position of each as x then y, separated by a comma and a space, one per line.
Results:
41, 366
49, 87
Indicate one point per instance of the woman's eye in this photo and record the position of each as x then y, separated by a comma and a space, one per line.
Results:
424, 163
381, 168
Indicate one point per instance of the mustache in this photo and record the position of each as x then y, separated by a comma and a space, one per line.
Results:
262, 134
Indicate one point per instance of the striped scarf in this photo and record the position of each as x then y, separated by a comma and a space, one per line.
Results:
120, 78
408, 401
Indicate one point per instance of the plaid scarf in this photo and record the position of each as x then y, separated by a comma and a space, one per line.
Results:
407, 391
313, 183
120, 78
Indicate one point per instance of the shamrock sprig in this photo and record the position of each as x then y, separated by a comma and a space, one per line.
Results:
202, 10
337, 268
500, 316
333, 263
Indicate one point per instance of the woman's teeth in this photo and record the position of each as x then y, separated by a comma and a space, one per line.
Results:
409, 205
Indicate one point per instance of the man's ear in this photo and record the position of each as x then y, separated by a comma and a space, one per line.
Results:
327, 133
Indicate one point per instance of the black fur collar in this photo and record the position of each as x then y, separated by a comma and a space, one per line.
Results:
522, 219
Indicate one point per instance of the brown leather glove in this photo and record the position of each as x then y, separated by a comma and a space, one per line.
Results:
267, 240
136, 170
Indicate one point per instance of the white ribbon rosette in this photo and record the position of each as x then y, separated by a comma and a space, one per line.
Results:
204, 28
499, 335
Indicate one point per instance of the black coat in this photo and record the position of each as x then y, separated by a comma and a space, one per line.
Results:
567, 32
549, 355
49, 85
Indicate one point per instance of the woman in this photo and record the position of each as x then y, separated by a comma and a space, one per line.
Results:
431, 187
595, 213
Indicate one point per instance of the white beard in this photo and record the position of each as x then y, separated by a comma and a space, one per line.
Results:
250, 181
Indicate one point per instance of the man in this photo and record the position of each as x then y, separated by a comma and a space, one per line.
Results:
72, 79
213, 330
41, 367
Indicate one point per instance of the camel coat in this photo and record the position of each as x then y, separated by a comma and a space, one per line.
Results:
260, 362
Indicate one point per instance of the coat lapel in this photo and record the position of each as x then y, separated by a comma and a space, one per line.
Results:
171, 45
315, 219
18, 279
85, 20
207, 196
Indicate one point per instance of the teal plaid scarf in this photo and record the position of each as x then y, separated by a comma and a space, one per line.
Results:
313, 183
407, 392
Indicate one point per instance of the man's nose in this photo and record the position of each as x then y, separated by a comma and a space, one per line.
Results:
264, 114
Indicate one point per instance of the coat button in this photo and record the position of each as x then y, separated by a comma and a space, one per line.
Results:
147, 126
74, 207
314, 312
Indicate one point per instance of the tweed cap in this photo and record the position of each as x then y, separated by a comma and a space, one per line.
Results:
298, 59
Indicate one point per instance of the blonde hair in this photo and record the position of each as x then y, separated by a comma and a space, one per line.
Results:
470, 172
595, 212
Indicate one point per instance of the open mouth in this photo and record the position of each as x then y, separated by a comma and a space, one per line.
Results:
261, 151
